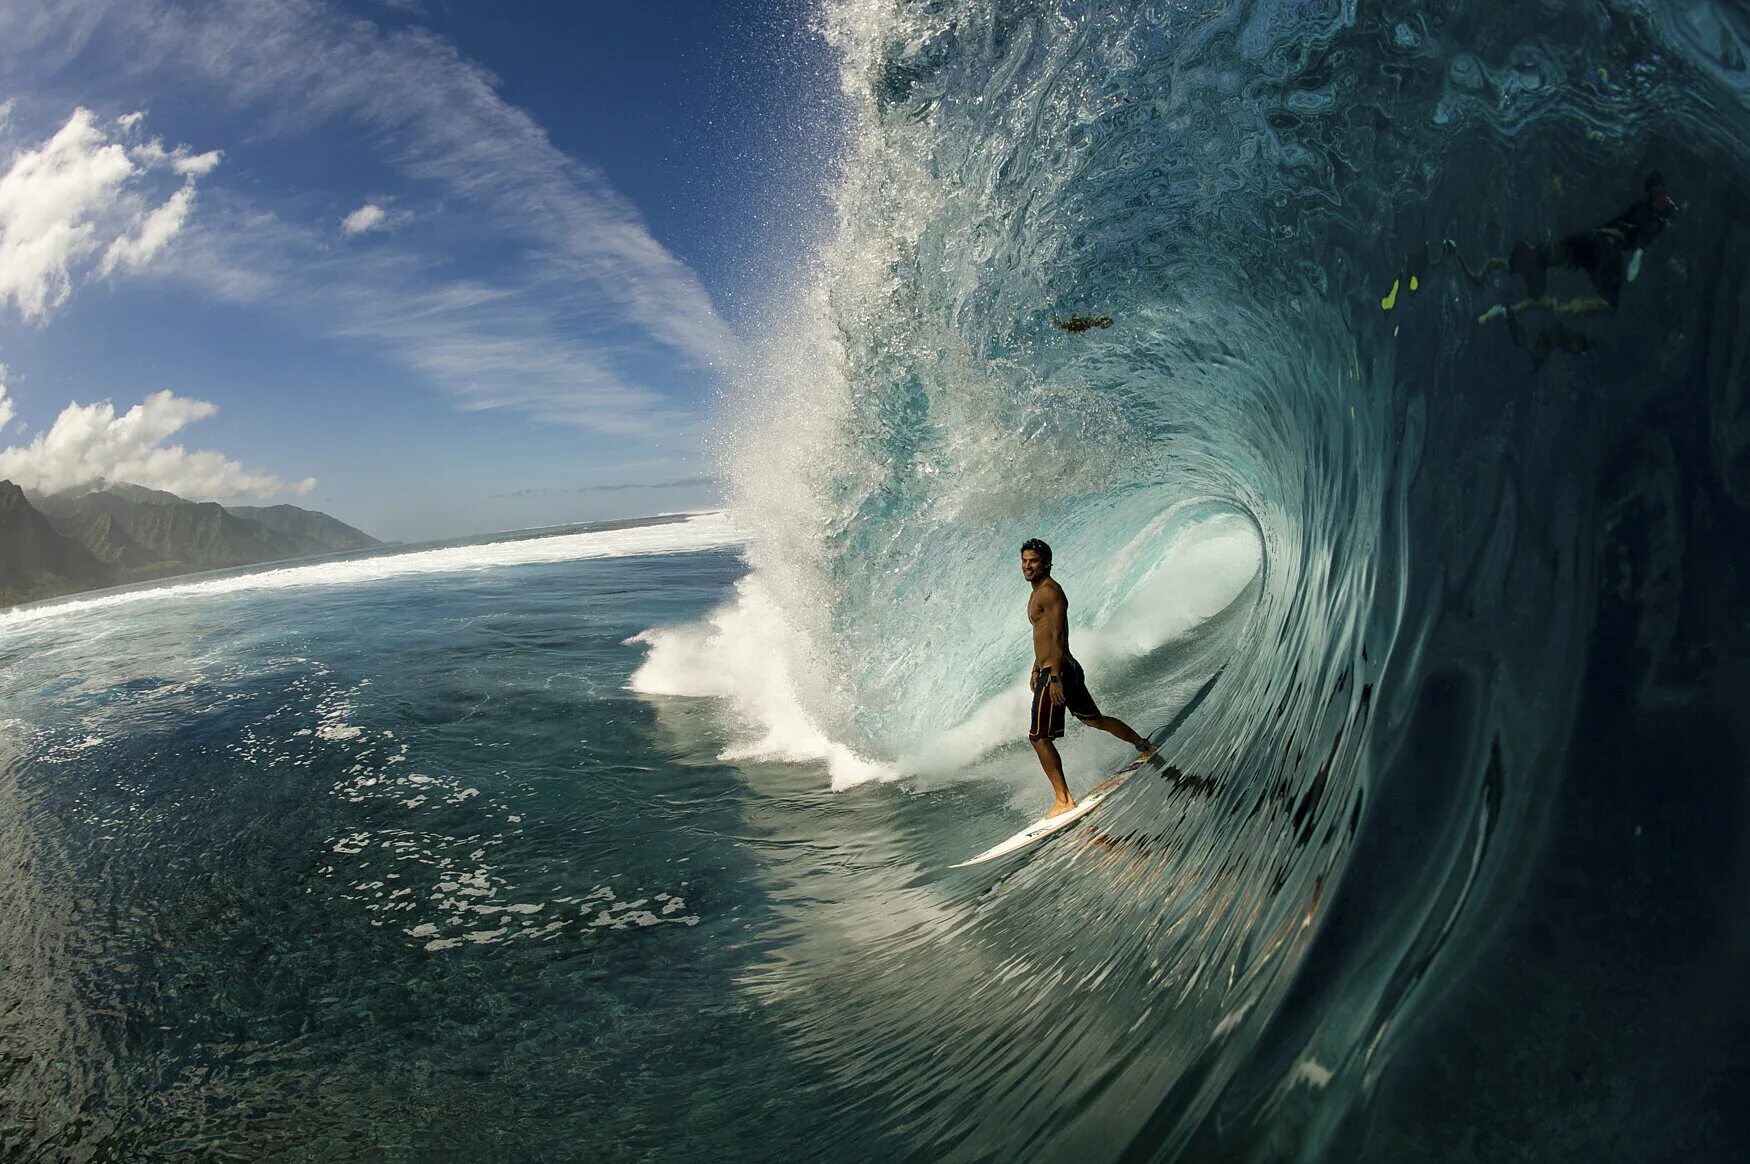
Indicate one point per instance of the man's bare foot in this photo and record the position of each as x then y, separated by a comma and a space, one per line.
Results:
1060, 808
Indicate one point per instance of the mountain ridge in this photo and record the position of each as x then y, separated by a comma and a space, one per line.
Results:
65, 543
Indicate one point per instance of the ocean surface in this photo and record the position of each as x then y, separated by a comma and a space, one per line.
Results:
631, 842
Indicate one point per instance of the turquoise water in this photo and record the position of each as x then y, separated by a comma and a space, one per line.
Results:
632, 843
372, 871
381, 858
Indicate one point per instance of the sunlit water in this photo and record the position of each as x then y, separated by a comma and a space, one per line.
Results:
633, 843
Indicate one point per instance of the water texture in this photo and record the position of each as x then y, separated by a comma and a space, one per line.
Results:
1441, 633
1420, 887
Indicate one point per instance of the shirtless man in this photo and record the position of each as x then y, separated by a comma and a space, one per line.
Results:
1057, 680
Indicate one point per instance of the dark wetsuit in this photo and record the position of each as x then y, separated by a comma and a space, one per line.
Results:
1602, 252
1047, 721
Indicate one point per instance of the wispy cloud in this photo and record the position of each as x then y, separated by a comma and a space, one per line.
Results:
597, 289
150, 236
82, 194
488, 345
91, 444
370, 216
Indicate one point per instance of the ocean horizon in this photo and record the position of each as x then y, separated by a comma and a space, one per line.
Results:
1376, 374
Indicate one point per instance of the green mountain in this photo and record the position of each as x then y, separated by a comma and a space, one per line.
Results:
316, 532
36, 561
127, 533
141, 493
150, 539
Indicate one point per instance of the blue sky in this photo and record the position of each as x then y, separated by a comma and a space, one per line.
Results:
434, 267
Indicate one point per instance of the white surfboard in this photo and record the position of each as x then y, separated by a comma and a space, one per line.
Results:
1040, 829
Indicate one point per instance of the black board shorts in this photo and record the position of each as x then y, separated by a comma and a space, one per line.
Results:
1047, 721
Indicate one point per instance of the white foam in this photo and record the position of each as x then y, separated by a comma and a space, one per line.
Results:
747, 652
702, 532
750, 654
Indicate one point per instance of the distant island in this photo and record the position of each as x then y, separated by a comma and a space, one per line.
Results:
67, 542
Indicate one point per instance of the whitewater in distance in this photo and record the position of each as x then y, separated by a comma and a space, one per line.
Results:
633, 841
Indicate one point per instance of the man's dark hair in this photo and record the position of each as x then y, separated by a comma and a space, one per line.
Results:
1038, 547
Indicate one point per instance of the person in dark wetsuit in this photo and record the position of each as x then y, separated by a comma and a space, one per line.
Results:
1609, 254
1057, 681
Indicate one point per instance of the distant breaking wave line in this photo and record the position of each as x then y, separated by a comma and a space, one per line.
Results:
707, 531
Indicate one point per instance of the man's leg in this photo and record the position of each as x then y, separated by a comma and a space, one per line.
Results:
1590, 305
1053, 765
1117, 727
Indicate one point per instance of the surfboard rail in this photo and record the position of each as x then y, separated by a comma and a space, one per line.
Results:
1046, 826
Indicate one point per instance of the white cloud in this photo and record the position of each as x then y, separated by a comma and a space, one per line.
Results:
80, 194
194, 165
367, 217
89, 445
152, 154
300, 65
48, 199
6, 412
562, 321
154, 232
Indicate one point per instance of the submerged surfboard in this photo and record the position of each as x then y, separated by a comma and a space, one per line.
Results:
1040, 829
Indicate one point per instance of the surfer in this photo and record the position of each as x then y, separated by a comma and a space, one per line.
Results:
1057, 681
1610, 255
